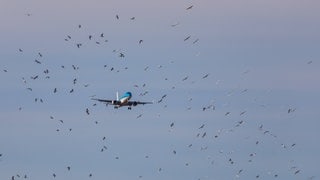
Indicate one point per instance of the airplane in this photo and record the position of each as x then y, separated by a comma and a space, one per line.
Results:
123, 101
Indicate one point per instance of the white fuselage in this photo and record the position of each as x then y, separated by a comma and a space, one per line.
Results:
123, 101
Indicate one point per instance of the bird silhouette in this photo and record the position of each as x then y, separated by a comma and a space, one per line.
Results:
201, 126
188, 37
205, 76
195, 41
190, 7
37, 61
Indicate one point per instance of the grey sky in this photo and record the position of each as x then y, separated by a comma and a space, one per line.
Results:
262, 62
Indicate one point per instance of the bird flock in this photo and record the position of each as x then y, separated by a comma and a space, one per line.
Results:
205, 136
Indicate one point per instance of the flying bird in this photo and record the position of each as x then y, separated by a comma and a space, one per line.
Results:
121, 55
205, 76
37, 61
190, 7
201, 126
174, 25
195, 41
185, 78
188, 37
34, 77
204, 134
242, 113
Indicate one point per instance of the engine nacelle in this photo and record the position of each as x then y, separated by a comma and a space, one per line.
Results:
134, 103
115, 102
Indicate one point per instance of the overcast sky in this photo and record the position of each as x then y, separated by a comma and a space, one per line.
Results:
239, 83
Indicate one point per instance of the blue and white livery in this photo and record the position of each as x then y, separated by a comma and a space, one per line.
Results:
122, 101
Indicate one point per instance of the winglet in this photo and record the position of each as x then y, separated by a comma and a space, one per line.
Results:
117, 96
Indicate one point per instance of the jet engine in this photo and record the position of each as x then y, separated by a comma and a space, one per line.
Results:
134, 103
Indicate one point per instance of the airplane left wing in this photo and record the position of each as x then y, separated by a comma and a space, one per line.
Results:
134, 103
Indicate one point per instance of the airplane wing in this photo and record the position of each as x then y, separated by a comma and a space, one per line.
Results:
103, 100
134, 103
